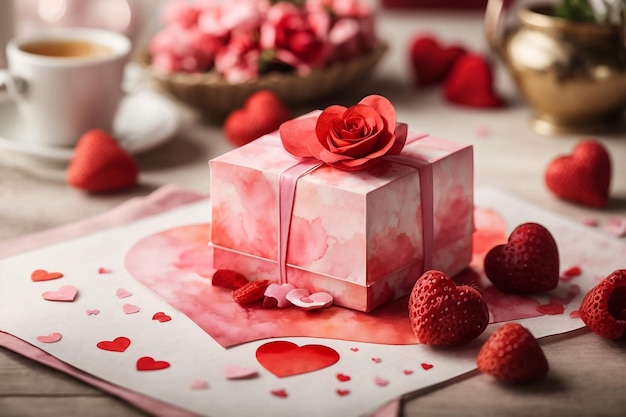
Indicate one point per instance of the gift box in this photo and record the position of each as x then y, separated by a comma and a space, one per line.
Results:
363, 236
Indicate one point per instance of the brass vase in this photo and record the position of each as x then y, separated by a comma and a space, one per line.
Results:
572, 75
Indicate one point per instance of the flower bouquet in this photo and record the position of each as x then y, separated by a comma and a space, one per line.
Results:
212, 55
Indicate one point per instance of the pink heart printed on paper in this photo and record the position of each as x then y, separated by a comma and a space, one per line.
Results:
65, 293
155, 262
50, 338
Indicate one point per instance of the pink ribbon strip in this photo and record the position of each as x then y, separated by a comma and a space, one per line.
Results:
288, 182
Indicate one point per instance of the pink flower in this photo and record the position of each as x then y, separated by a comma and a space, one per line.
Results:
234, 16
291, 33
180, 13
177, 49
351, 138
239, 60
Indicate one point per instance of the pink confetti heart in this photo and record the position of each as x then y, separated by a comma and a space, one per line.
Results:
130, 309
65, 293
199, 384
407, 372
279, 293
381, 382
51, 338
93, 312
377, 360
307, 301
354, 349
122, 293
239, 372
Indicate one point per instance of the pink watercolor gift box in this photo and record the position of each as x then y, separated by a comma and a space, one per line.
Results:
358, 235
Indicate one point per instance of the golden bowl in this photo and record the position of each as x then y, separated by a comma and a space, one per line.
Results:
214, 97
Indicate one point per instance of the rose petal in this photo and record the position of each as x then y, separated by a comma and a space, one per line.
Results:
386, 110
296, 135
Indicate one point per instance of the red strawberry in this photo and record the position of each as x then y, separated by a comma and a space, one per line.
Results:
263, 112
443, 313
528, 263
431, 61
251, 292
99, 164
470, 83
512, 354
603, 308
583, 177
229, 279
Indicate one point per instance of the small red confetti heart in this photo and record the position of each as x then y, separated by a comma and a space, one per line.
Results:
427, 366
574, 314
407, 372
119, 344
572, 272
43, 275
550, 309
161, 317
342, 392
104, 270
377, 360
51, 338
146, 363
343, 377
354, 349
281, 393
65, 293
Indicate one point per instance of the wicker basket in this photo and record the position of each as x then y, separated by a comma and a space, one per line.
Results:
213, 96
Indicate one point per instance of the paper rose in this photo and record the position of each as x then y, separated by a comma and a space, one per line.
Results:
347, 138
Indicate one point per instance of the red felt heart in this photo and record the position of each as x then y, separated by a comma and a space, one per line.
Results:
119, 344
470, 83
99, 164
287, 359
147, 363
431, 62
263, 112
43, 275
583, 177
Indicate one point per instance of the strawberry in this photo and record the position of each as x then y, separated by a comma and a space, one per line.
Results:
431, 62
583, 177
512, 354
528, 263
263, 112
229, 279
99, 164
603, 308
443, 313
470, 83
250, 293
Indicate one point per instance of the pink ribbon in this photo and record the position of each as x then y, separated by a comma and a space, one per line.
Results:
288, 183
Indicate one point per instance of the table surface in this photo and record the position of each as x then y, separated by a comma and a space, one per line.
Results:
587, 372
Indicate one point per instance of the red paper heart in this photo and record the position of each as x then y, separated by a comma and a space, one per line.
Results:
583, 177
147, 363
161, 317
470, 83
263, 112
431, 61
287, 359
426, 366
99, 164
119, 344
281, 393
43, 275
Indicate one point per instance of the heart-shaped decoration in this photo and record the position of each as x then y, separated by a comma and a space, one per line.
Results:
50, 338
199, 384
65, 293
527, 264
43, 275
119, 344
123, 293
442, 313
287, 359
100, 164
280, 393
470, 83
426, 366
304, 299
381, 382
239, 372
584, 177
263, 112
276, 295
342, 392
130, 309
147, 363
161, 317
343, 377
93, 312
431, 61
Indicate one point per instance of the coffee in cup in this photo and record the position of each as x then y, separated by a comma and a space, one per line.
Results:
65, 82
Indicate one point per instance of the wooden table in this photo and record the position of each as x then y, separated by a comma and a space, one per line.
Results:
587, 372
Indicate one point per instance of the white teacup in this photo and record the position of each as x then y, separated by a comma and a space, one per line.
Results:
65, 82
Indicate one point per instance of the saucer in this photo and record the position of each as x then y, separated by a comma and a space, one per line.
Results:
144, 121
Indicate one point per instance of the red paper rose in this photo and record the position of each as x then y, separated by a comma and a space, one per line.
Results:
347, 138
